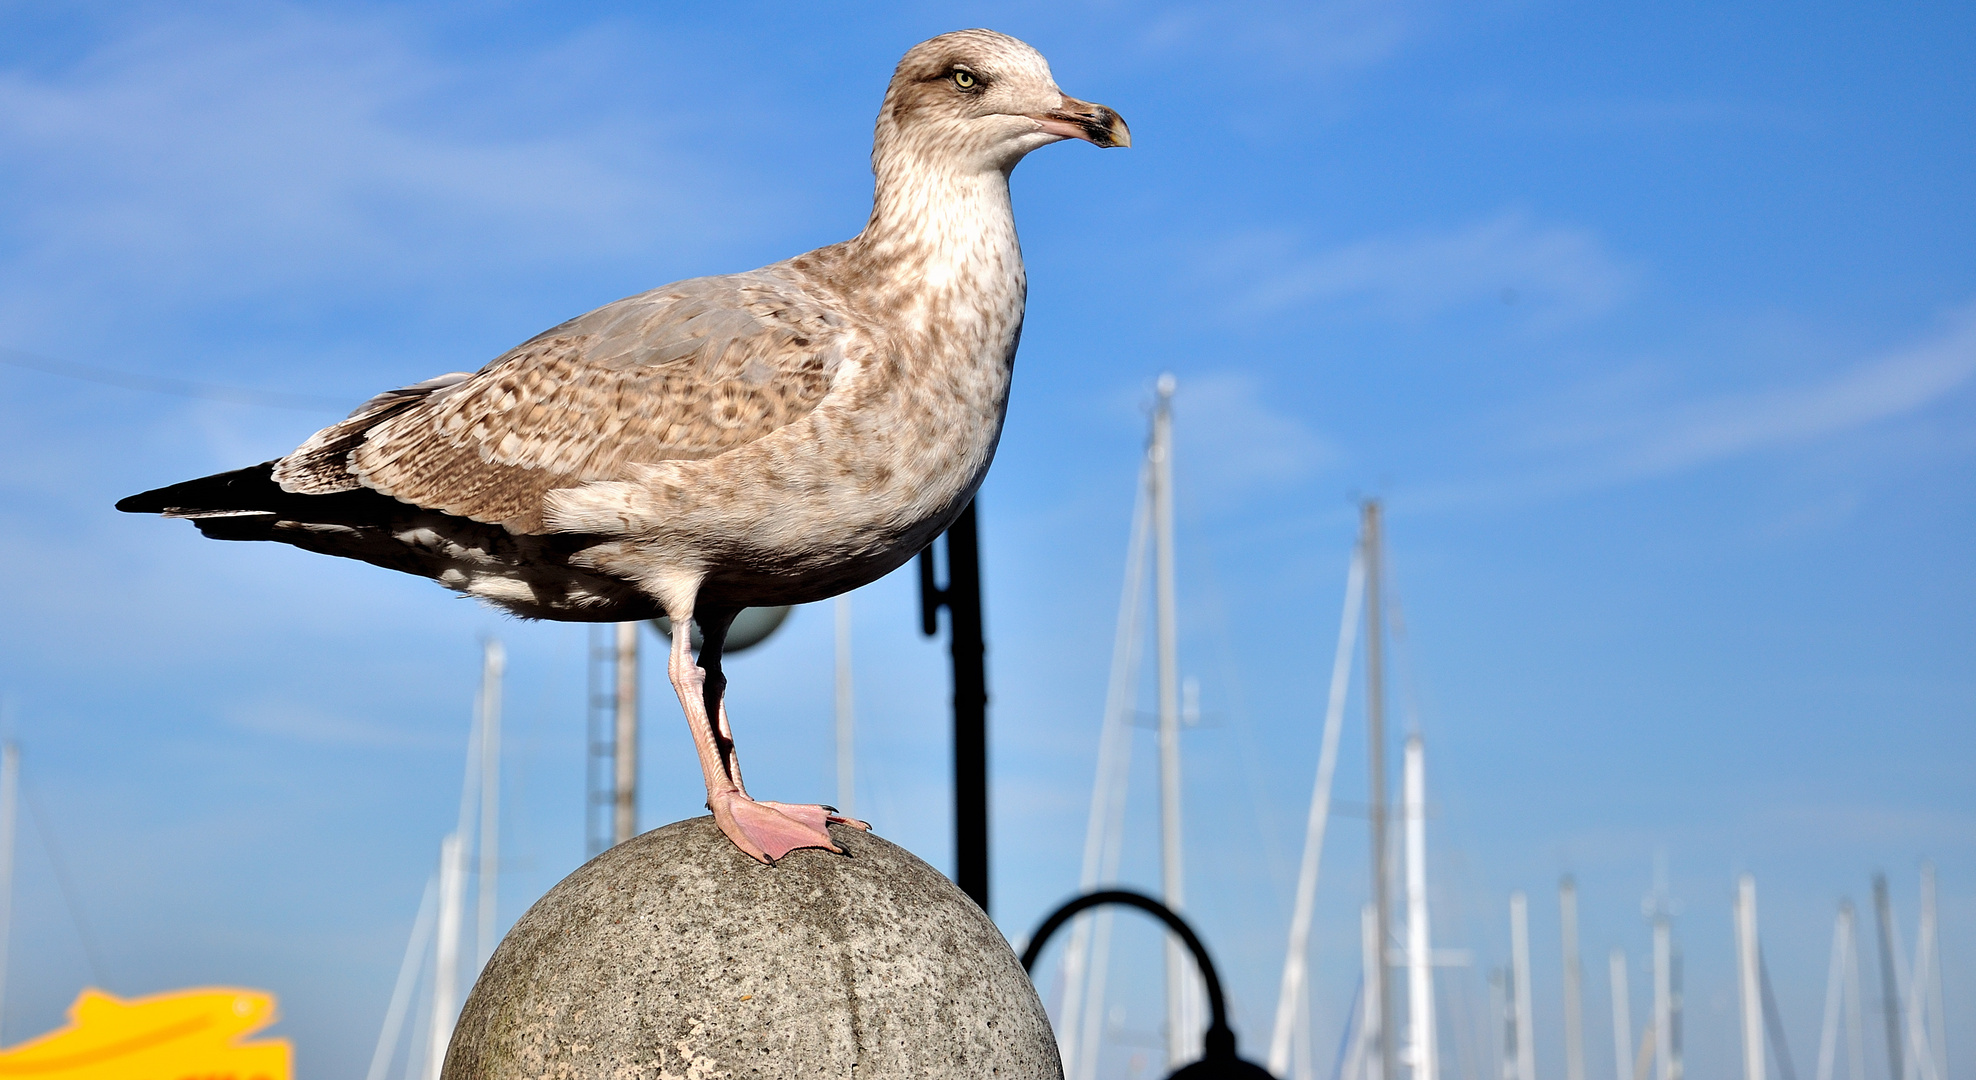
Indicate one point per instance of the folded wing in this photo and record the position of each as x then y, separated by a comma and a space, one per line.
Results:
687, 371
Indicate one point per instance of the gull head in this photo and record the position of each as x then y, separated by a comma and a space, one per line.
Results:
976, 100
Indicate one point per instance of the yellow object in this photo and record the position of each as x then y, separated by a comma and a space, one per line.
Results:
182, 1035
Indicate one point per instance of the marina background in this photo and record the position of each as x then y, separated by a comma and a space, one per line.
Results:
1653, 328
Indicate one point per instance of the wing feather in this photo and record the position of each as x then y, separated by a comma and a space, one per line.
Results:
687, 371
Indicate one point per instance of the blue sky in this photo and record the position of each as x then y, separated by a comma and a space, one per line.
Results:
1655, 326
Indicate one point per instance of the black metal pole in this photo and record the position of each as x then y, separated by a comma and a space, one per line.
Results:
961, 596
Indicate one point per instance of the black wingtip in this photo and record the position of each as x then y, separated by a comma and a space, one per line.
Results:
144, 502
242, 489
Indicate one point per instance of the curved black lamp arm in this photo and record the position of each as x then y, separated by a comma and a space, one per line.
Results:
1220, 1040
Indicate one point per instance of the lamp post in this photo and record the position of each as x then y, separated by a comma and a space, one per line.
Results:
961, 596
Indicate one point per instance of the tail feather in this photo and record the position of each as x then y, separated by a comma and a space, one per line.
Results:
248, 490
252, 492
530, 576
247, 504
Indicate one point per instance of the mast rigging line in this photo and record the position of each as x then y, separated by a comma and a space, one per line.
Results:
1103, 834
42, 829
171, 386
401, 990
1295, 961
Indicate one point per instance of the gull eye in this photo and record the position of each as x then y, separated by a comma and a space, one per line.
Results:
964, 79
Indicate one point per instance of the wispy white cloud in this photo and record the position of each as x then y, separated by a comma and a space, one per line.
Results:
1233, 443
1896, 383
1337, 37
1616, 445
1615, 115
1557, 273
242, 152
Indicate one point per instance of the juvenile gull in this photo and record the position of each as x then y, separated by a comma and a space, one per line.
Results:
772, 437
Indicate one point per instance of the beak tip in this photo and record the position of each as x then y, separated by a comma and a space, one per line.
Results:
1096, 124
1116, 133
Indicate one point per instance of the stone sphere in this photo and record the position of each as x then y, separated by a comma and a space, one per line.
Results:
676, 956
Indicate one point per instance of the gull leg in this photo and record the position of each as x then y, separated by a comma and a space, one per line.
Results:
811, 814
763, 830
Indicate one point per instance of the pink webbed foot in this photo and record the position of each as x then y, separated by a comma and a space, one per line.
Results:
767, 831
810, 813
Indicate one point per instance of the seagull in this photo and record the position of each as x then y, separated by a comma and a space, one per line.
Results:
772, 437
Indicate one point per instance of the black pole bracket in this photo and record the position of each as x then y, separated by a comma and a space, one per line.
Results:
1218, 1057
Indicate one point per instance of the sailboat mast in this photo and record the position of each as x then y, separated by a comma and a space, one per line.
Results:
846, 763
1747, 976
1855, 1003
1519, 938
1421, 1049
1931, 1001
1622, 1017
1377, 990
1180, 1037
1835, 988
1889, 981
1664, 997
1920, 975
624, 779
1372, 1019
494, 661
1574, 976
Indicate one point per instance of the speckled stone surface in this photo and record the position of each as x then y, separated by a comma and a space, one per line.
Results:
675, 956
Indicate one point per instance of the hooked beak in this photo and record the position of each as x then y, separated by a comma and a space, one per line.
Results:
1095, 124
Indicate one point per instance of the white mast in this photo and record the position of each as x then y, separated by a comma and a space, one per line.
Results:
1670, 1068
1918, 1032
1519, 939
1622, 1017
1183, 1035
1373, 960
1574, 975
846, 764
1291, 994
1375, 724
1421, 1050
1936, 1021
1855, 1004
1748, 978
10, 789
1835, 982
1502, 1020
1890, 982
1090, 934
624, 810
494, 662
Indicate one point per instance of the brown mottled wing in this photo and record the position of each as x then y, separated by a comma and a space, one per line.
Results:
321, 466
686, 371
